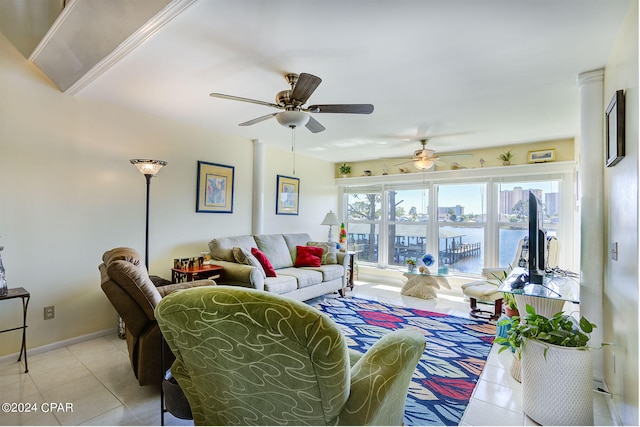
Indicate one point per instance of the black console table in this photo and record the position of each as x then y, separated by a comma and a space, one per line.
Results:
25, 296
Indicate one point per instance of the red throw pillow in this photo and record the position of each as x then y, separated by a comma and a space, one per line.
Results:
308, 256
264, 261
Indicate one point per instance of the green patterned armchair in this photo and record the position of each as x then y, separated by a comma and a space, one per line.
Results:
248, 357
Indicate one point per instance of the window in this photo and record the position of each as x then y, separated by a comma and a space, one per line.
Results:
461, 228
364, 210
407, 224
513, 213
467, 219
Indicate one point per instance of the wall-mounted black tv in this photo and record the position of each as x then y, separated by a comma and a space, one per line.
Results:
537, 241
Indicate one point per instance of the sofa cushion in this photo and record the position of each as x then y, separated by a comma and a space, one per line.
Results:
280, 284
244, 256
329, 253
264, 261
295, 239
222, 247
308, 256
304, 276
275, 248
330, 271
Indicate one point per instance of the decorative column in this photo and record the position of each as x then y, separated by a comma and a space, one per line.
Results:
257, 219
591, 197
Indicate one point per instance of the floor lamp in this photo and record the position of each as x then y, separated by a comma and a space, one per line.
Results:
149, 168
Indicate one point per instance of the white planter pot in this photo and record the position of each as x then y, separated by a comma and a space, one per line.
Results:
558, 389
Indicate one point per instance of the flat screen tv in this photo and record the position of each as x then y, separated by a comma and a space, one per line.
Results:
537, 241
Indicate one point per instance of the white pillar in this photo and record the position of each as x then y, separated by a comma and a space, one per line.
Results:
591, 187
257, 218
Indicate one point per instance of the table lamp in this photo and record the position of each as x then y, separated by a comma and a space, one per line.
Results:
330, 219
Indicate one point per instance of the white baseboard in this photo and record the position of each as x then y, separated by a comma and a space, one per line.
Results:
59, 344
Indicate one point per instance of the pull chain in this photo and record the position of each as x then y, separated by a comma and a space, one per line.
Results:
293, 147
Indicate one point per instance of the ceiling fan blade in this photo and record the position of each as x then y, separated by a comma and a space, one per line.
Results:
314, 126
458, 156
238, 98
404, 163
342, 108
258, 120
305, 86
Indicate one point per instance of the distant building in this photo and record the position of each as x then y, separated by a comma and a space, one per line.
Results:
445, 211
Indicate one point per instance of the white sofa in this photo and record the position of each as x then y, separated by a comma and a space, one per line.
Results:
301, 283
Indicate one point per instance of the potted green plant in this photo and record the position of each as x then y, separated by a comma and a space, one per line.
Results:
506, 157
556, 364
344, 169
510, 305
411, 264
508, 299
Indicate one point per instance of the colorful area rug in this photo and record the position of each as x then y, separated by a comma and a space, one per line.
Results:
457, 349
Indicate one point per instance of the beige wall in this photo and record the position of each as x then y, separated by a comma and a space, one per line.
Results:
563, 148
620, 304
68, 193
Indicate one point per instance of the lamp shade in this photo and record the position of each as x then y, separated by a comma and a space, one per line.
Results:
292, 118
330, 219
148, 167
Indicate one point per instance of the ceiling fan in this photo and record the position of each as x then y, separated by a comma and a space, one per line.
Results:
425, 158
292, 101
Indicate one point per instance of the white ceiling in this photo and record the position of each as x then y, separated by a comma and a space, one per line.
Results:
486, 73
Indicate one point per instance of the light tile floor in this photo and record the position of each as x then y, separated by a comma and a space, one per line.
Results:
96, 379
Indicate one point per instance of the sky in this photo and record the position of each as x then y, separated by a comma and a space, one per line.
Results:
470, 196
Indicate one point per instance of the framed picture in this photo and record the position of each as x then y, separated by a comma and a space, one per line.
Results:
287, 195
615, 129
215, 188
541, 156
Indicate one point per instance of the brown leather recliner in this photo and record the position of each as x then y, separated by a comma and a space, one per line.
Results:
126, 282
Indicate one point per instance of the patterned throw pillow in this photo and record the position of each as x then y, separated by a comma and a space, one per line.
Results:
308, 256
328, 251
264, 261
243, 256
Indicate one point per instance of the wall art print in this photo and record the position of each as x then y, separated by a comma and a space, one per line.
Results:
215, 188
287, 195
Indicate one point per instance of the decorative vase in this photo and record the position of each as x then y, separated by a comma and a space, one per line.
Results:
4, 290
557, 386
411, 268
506, 163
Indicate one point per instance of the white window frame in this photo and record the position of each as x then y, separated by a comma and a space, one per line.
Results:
564, 172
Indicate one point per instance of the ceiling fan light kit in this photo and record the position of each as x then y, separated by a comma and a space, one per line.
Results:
292, 102
423, 164
292, 118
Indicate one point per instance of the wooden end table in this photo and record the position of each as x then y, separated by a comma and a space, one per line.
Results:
207, 271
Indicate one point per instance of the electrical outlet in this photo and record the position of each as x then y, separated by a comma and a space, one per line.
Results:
49, 312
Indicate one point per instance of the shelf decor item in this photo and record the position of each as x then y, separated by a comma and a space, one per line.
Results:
344, 169
215, 188
615, 129
506, 157
541, 156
